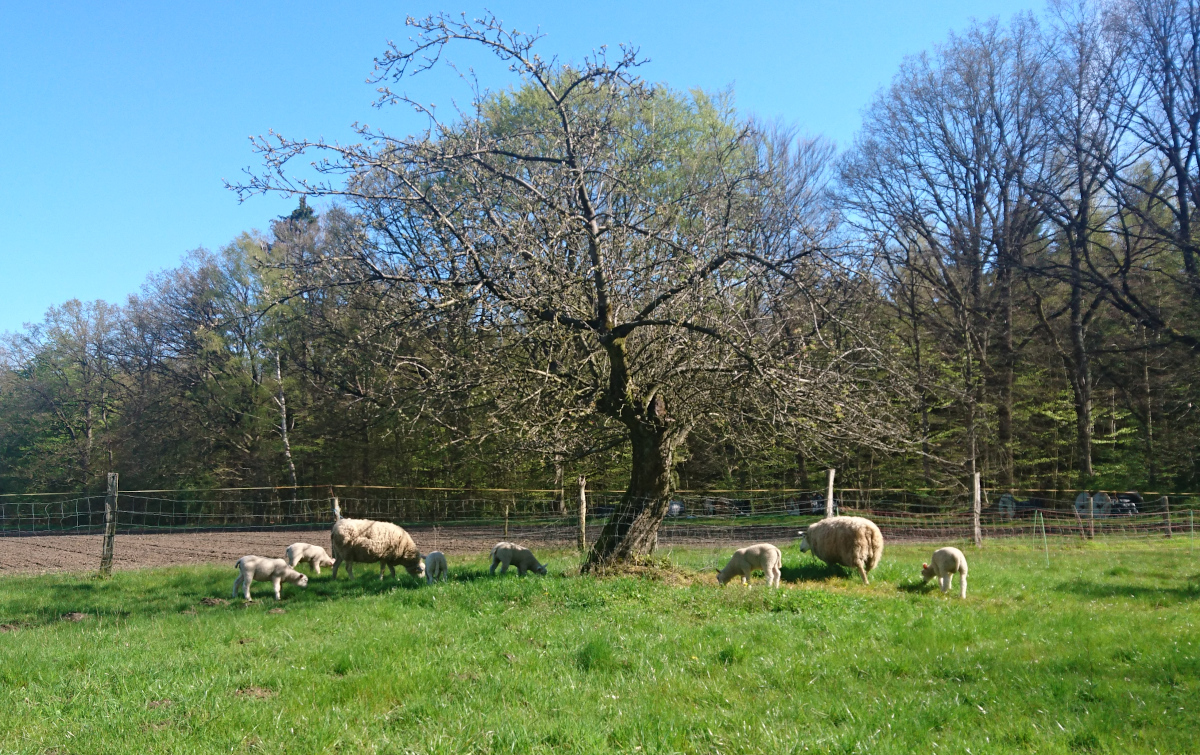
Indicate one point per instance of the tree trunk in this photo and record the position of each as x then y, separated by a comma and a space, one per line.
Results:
1081, 380
1004, 407
632, 529
801, 480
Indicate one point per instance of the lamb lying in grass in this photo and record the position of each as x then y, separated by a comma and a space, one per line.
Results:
745, 560
847, 540
947, 562
436, 567
504, 554
263, 569
315, 555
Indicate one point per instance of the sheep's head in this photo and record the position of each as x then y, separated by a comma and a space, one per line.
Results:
303, 581
416, 570
926, 572
721, 578
325, 561
540, 568
804, 546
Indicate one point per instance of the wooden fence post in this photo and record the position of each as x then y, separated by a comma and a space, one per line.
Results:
506, 520
582, 514
1091, 517
976, 509
1167, 512
110, 526
829, 494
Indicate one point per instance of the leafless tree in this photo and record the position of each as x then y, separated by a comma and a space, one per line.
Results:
588, 254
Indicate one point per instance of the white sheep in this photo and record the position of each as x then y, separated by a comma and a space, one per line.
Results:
436, 567
947, 562
745, 560
263, 569
367, 541
847, 540
315, 555
504, 554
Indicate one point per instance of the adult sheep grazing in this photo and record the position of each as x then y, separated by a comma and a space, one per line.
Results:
947, 562
436, 567
847, 540
315, 555
506, 554
262, 569
367, 541
745, 560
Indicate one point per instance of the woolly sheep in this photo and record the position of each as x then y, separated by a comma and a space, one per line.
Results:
505, 554
745, 560
367, 541
947, 562
847, 540
263, 569
436, 567
315, 555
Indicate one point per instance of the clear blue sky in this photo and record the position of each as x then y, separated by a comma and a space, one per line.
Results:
119, 120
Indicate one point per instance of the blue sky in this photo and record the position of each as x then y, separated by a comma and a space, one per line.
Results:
118, 121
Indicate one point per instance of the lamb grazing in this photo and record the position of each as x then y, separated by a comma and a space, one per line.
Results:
847, 540
506, 554
946, 563
315, 555
263, 569
367, 541
436, 567
745, 560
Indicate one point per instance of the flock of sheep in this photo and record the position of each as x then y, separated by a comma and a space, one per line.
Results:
850, 541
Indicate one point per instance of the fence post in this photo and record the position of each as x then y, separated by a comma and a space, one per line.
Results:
1091, 517
506, 520
976, 510
582, 513
829, 494
1167, 512
110, 526
1045, 544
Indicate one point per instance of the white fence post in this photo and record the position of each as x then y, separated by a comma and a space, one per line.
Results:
110, 526
829, 494
582, 514
976, 509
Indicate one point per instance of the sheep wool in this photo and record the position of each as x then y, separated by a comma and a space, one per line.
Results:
436, 567
745, 560
366, 541
263, 569
850, 541
505, 554
315, 555
947, 562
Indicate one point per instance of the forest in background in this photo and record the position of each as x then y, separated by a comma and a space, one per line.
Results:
1012, 233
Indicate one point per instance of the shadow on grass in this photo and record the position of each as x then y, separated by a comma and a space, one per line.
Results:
917, 586
1084, 588
812, 571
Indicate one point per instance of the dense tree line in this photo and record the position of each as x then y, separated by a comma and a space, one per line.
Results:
588, 273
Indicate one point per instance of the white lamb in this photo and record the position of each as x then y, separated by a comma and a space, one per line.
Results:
745, 560
847, 540
263, 569
436, 567
315, 555
947, 562
505, 554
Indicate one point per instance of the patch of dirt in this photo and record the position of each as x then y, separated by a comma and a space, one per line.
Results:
245, 640
9, 627
75, 616
159, 703
189, 612
258, 693
655, 569
214, 602
277, 610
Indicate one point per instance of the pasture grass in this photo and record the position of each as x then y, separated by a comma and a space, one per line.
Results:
1096, 654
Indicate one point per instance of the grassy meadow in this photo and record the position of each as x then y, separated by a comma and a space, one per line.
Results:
1098, 653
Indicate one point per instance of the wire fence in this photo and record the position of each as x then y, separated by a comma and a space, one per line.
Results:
57, 532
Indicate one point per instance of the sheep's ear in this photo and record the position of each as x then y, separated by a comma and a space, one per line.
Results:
924, 566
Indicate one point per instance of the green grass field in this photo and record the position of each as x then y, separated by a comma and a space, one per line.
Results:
1096, 654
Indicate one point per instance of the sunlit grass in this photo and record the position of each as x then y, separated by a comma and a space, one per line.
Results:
1097, 653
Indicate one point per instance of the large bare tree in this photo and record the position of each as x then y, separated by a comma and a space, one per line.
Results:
587, 254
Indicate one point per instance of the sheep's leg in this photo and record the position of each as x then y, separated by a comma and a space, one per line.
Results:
495, 562
350, 569
863, 573
275, 583
246, 583
316, 565
392, 569
236, 584
504, 564
336, 563
945, 581
962, 587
